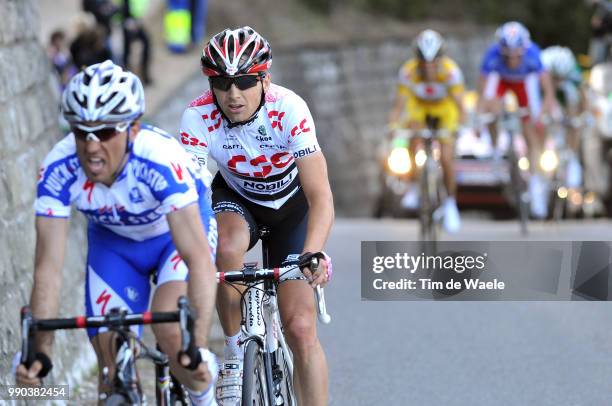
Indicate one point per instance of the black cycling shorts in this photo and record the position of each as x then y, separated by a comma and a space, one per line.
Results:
287, 226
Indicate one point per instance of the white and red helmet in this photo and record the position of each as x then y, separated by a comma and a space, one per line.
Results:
236, 52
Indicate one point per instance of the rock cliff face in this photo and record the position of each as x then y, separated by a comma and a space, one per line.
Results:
28, 129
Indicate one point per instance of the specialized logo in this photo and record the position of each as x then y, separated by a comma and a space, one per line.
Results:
103, 299
176, 260
135, 195
88, 186
177, 171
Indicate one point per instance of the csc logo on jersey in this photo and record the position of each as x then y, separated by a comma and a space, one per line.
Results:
239, 163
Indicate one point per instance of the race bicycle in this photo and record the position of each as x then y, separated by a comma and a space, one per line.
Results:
431, 192
268, 362
558, 163
125, 386
509, 121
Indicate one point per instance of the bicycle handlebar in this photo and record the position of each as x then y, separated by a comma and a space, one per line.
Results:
113, 319
253, 275
422, 133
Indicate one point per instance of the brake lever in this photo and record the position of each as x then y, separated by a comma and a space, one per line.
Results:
27, 336
185, 323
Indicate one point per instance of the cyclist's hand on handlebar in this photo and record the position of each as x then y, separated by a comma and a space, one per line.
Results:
322, 274
38, 370
201, 363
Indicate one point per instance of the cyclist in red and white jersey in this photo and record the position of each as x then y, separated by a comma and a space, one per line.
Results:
271, 173
512, 64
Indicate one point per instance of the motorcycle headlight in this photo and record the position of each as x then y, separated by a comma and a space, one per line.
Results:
549, 161
399, 161
523, 163
420, 158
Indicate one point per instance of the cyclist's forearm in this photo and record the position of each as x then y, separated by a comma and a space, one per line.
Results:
51, 234
320, 220
202, 290
44, 302
547, 86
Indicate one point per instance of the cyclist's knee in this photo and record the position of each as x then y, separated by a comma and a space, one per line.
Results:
446, 152
301, 332
229, 250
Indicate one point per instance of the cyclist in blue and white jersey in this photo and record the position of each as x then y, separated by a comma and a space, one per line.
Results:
512, 64
567, 81
144, 199
271, 173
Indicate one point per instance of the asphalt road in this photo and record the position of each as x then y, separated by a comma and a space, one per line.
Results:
463, 353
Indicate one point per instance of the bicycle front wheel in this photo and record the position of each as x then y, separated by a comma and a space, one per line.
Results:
254, 391
283, 379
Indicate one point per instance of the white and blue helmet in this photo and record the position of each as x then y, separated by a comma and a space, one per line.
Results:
103, 93
513, 35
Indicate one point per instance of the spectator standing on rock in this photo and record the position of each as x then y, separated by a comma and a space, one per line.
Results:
132, 13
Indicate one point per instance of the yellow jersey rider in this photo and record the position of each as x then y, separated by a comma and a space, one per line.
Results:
431, 84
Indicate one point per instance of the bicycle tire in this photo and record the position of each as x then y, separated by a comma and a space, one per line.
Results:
286, 384
254, 390
425, 205
433, 181
519, 190
430, 201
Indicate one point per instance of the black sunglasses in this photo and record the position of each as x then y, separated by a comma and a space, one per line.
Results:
244, 82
